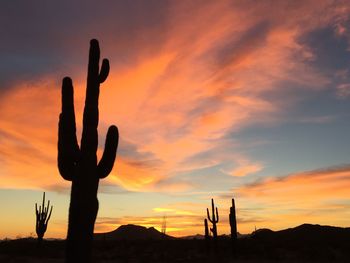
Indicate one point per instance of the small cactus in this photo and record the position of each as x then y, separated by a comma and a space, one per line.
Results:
206, 229
214, 219
42, 218
233, 222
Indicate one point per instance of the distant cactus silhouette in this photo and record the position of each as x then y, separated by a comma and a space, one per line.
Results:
42, 218
233, 222
206, 229
80, 165
214, 219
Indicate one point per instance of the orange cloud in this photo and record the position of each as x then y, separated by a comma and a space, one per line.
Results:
298, 198
28, 145
246, 169
205, 81
307, 186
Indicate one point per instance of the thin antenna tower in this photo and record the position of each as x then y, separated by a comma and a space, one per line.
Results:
164, 225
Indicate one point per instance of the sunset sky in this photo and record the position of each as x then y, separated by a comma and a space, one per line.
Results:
213, 99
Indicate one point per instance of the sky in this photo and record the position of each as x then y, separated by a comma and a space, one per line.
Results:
213, 99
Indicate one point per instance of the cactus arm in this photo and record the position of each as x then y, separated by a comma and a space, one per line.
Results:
48, 218
209, 216
104, 71
217, 215
46, 212
212, 210
36, 212
107, 161
68, 149
37, 218
47, 208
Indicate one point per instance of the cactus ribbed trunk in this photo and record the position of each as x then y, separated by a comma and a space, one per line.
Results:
206, 229
82, 215
79, 164
233, 222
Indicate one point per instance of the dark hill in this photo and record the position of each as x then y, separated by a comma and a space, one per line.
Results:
132, 232
305, 241
312, 233
306, 233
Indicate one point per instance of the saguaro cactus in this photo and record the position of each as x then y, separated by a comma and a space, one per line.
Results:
206, 229
214, 219
42, 218
233, 222
79, 165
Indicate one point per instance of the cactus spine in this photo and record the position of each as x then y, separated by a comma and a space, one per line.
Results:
233, 222
214, 219
42, 218
79, 164
206, 229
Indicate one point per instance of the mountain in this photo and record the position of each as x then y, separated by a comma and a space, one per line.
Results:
303, 234
197, 236
306, 234
132, 232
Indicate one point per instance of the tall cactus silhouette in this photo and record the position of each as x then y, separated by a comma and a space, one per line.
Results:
233, 222
214, 219
42, 218
206, 229
79, 165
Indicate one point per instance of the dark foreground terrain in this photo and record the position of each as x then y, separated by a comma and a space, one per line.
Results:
306, 243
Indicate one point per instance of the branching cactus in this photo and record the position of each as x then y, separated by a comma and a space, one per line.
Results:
79, 164
206, 229
42, 218
233, 222
214, 219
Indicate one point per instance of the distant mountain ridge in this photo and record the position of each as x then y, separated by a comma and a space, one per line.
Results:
305, 233
132, 232
304, 229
